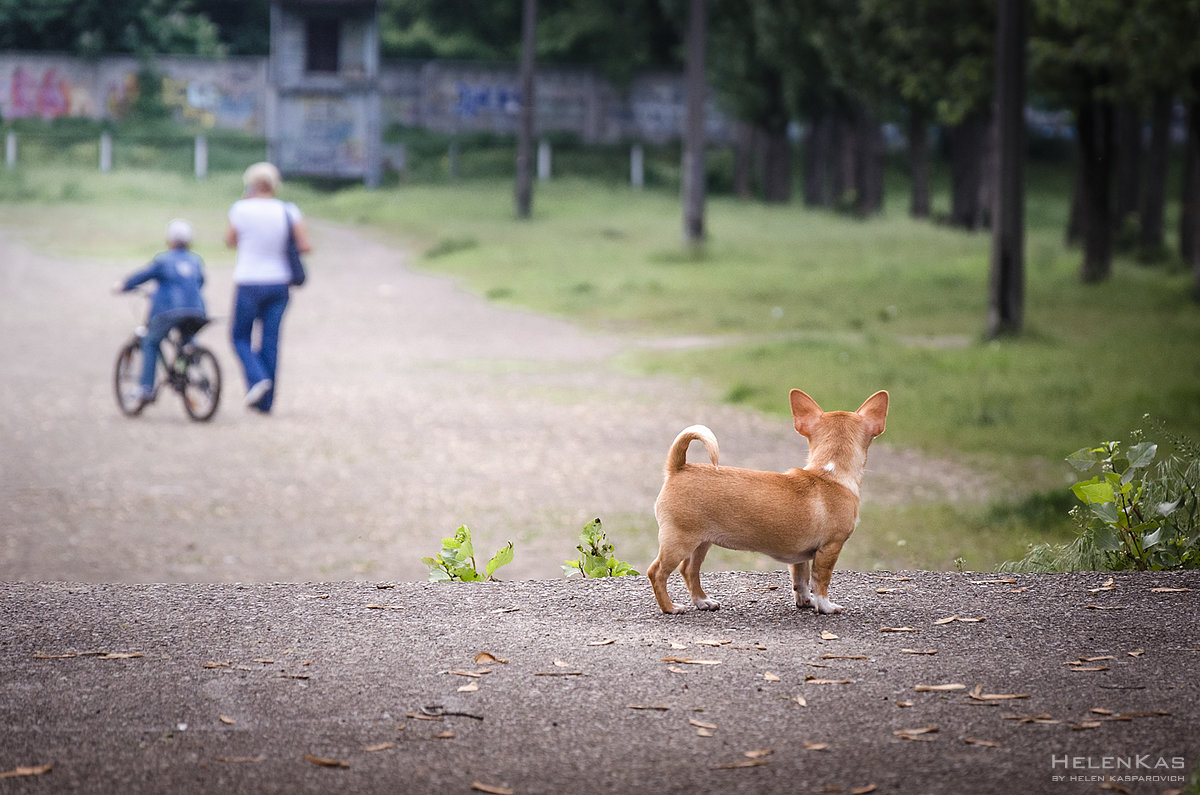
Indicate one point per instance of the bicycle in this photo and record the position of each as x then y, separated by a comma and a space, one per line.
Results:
190, 369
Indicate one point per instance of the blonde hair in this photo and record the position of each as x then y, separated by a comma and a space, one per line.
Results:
262, 176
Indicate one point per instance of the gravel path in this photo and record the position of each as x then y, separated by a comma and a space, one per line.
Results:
406, 408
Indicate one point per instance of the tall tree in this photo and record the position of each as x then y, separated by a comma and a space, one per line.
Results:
1006, 294
694, 138
524, 180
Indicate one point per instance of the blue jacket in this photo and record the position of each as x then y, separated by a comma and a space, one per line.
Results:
180, 277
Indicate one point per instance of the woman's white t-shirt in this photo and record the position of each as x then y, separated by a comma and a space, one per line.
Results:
262, 240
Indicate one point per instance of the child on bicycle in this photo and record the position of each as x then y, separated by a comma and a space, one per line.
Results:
180, 277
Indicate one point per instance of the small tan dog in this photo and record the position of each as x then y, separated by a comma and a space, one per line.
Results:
801, 517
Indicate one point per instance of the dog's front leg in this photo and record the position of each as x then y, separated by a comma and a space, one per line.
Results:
800, 584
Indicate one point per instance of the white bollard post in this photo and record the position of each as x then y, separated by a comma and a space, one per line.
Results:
543, 160
637, 167
106, 152
10, 150
201, 158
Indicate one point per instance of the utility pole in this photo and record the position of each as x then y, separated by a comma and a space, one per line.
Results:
693, 136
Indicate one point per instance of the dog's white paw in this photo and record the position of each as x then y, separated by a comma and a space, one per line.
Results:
826, 606
803, 600
708, 603
675, 610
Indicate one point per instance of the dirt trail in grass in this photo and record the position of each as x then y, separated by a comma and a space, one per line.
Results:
406, 407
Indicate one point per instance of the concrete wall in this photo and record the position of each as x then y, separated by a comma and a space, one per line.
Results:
447, 97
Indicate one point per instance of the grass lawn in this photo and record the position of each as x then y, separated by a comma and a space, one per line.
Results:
780, 297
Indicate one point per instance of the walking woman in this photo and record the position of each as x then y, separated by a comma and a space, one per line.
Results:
258, 229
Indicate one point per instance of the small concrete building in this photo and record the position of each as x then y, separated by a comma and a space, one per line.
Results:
323, 102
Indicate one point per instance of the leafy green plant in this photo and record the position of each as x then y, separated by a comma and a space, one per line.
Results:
597, 556
456, 561
1135, 513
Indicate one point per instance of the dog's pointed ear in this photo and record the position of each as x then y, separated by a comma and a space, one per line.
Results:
874, 410
805, 413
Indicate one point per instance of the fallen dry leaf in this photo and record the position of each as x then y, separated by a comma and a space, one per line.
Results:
1006, 581
1019, 590
936, 688
677, 645
321, 761
1089, 668
946, 620
472, 674
918, 651
559, 673
1042, 718
22, 771
1101, 711
1169, 590
690, 661
1136, 652
487, 657
867, 790
844, 657
745, 763
984, 743
649, 707
963, 619
705, 733
120, 655
602, 642
470, 687
758, 753
699, 724
801, 700
815, 746
675, 669
916, 734
979, 695
1087, 724
812, 680
1105, 607
263, 660
886, 590
904, 703
384, 607
827, 635
712, 642
217, 665
479, 786
422, 716
379, 747
1107, 586
560, 664
899, 629
817, 665
228, 721
770, 677
446, 735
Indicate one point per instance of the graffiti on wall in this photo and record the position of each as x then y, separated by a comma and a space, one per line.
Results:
229, 100
476, 99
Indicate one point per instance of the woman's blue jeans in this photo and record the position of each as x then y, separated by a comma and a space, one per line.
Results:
260, 305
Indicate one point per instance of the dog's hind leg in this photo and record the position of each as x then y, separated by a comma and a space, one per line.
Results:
822, 566
800, 573
670, 554
690, 569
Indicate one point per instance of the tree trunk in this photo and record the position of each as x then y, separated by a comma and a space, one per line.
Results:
1154, 191
817, 157
524, 186
744, 155
844, 174
918, 164
1006, 294
968, 162
777, 166
1189, 222
694, 138
1097, 147
869, 166
1128, 165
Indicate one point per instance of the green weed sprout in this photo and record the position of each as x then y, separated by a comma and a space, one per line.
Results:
456, 561
596, 556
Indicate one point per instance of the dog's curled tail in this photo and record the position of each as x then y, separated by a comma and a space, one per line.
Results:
677, 456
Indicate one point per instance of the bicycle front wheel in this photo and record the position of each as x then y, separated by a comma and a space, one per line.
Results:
202, 384
127, 379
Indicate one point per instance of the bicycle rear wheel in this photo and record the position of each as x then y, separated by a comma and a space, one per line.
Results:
202, 384
127, 379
